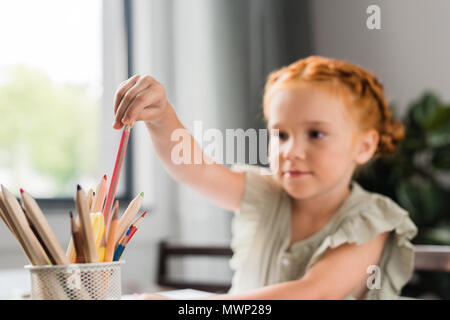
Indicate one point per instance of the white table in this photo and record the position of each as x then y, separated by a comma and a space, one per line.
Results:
182, 294
15, 284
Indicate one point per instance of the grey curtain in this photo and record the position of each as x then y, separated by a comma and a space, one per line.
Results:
213, 57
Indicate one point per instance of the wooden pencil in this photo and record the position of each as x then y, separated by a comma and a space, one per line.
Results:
70, 252
30, 242
77, 240
14, 231
86, 226
100, 194
128, 216
121, 246
111, 243
134, 227
3, 216
44, 246
36, 234
90, 197
43, 229
116, 174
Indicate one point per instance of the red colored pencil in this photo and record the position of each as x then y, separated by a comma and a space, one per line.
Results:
116, 174
135, 226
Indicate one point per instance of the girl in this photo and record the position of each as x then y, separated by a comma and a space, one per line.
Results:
303, 229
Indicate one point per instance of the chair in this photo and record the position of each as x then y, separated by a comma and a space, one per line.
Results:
168, 250
432, 258
427, 258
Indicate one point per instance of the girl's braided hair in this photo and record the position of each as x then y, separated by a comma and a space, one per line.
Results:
366, 94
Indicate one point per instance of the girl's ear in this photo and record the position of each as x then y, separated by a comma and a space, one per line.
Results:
367, 146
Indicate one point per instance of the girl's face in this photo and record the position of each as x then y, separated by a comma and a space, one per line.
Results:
316, 137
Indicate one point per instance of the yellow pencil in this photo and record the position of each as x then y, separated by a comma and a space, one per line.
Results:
98, 226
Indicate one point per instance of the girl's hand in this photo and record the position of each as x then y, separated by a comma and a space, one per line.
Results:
139, 98
149, 296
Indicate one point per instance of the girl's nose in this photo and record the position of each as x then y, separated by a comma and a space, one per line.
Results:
294, 149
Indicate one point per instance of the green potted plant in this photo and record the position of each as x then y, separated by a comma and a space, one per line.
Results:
417, 177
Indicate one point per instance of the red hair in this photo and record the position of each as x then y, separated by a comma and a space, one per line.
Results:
355, 84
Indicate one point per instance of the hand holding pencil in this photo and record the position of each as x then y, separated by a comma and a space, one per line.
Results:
140, 98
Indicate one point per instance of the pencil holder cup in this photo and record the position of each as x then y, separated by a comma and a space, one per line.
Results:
83, 281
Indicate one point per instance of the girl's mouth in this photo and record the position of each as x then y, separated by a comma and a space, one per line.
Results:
291, 174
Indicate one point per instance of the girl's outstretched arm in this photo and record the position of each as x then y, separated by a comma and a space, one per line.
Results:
142, 98
339, 273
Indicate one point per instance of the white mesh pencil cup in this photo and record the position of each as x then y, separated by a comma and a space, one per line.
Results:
84, 281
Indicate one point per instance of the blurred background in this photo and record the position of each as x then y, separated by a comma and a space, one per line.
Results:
61, 62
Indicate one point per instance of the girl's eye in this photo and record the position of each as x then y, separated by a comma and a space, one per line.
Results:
316, 134
282, 135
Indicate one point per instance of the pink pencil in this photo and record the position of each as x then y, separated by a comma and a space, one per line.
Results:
116, 174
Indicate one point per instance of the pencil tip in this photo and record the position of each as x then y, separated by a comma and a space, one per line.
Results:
21, 190
105, 177
78, 187
143, 215
142, 194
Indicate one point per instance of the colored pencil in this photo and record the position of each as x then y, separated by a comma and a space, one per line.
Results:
86, 226
100, 194
116, 174
128, 216
98, 226
90, 197
111, 243
29, 242
70, 252
102, 248
38, 220
135, 226
13, 228
36, 234
121, 246
77, 240
3, 215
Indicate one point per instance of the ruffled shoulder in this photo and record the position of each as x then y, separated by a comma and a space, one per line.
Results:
260, 197
260, 190
373, 214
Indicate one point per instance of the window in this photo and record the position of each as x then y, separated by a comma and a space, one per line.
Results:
51, 91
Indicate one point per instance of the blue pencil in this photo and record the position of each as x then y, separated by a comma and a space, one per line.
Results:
121, 246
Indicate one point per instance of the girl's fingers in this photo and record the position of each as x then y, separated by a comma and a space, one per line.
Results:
123, 88
129, 96
144, 99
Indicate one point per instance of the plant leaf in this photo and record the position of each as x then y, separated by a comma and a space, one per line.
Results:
437, 235
425, 201
422, 111
441, 158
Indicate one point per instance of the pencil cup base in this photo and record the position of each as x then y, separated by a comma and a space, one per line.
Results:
83, 281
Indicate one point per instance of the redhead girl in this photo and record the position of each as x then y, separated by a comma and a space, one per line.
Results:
303, 229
